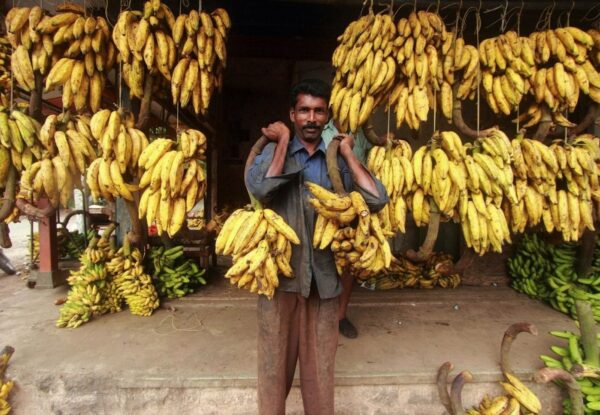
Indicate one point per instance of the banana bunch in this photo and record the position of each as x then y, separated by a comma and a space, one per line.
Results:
67, 152
21, 141
122, 146
403, 273
519, 399
68, 48
175, 276
460, 67
132, 283
555, 185
260, 242
563, 70
565, 357
5, 385
392, 166
92, 292
146, 47
173, 181
547, 273
357, 237
200, 38
365, 69
420, 50
5, 73
508, 63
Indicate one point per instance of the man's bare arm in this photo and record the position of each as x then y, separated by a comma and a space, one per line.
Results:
360, 175
279, 133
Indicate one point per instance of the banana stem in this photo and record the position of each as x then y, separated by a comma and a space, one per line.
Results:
144, 115
547, 374
136, 225
456, 392
591, 115
30, 210
459, 122
35, 98
433, 228
442, 385
585, 255
8, 203
332, 167
5, 356
587, 327
545, 124
465, 261
109, 230
5, 241
509, 336
372, 136
127, 243
256, 150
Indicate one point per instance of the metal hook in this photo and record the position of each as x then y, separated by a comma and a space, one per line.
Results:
586, 17
464, 19
519, 17
569, 12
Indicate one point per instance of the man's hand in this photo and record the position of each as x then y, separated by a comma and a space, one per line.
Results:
346, 144
276, 131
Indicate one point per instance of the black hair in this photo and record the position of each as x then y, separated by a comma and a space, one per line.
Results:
314, 87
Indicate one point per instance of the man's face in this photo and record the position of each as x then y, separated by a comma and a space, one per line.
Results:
309, 117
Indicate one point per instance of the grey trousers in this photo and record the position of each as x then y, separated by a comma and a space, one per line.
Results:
292, 328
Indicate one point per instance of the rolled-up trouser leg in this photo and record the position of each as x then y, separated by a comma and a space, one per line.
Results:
318, 344
277, 350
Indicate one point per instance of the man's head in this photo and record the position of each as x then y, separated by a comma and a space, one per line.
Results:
309, 100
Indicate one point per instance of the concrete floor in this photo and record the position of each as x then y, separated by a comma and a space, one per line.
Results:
197, 355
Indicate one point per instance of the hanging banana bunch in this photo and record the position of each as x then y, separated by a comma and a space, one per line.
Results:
146, 47
21, 142
461, 67
365, 69
563, 71
260, 242
121, 146
356, 236
392, 166
5, 74
68, 150
559, 189
201, 41
71, 49
173, 180
508, 63
421, 37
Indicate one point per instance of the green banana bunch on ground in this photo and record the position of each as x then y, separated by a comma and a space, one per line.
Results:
132, 283
546, 272
92, 292
174, 275
404, 273
571, 356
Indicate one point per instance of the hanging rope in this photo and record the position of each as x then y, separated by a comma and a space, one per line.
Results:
477, 30
518, 36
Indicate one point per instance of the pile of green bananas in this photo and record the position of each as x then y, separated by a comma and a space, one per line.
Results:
132, 283
579, 357
404, 273
71, 244
92, 292
174, 275
546, 272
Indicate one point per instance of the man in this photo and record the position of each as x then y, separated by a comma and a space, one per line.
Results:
361, 149
301, 321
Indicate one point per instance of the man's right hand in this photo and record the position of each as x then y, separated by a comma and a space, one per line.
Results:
276, 131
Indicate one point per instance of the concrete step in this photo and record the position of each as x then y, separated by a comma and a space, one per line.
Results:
197, 355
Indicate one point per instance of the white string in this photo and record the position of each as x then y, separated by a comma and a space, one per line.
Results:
199, 5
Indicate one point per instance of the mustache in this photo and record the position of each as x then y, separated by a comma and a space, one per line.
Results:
310, 125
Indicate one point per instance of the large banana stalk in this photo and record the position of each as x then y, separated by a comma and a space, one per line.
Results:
8, 203
545, 124
509, 336
5, 241
547, 374
456, 391
585, 254
145, 105
433, 228
332, 166
35, 99
587, 327
442, 385
135, 234
30, 210
592, 115
256, 150
459, 122
460, 266
372, 136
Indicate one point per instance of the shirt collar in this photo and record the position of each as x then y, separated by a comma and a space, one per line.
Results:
296, 146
